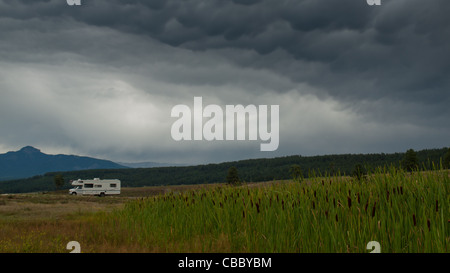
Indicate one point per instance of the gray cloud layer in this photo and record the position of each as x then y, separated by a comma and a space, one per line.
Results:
101, 79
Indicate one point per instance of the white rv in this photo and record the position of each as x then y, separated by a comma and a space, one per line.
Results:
95, 187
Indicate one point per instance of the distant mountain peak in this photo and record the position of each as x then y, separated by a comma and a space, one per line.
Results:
29, 161
29, 149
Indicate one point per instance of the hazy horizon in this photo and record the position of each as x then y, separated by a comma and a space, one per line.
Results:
101, 79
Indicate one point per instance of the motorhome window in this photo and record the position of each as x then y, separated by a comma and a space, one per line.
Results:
88, 185
112, 185
98, 186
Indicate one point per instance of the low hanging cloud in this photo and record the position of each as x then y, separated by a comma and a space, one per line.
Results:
101, 79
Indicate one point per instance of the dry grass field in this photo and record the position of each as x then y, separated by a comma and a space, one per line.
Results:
46, 222
404, 212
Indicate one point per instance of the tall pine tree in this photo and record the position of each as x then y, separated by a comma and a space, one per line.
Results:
410, 161
447, 159
233, 177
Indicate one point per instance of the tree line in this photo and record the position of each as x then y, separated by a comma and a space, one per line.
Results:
251, 170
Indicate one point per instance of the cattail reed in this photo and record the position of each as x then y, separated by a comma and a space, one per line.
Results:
368, 214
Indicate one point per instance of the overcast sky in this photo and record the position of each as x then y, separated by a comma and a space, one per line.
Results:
101, 79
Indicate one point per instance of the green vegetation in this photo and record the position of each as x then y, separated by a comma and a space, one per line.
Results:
447, 159
405, 212
59, 181
252, 170
359, 172
296, 173
410, 162
232, 176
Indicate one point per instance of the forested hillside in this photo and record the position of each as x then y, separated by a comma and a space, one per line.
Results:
251, 170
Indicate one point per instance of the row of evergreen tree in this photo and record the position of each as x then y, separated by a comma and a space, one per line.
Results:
409, 163
252, 170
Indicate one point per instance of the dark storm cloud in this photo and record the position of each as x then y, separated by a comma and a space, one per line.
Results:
384, 67
398, 50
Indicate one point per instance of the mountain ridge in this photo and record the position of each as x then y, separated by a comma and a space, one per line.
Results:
30, 161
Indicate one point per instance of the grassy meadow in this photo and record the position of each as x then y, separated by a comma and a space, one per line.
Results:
404, 212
